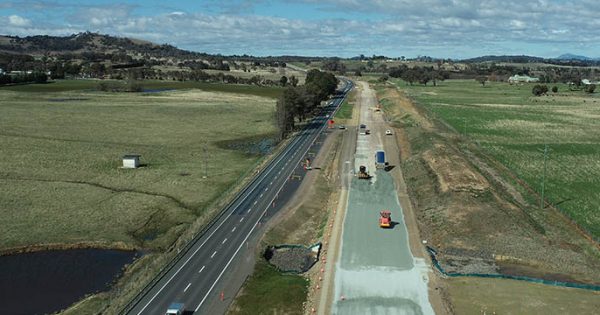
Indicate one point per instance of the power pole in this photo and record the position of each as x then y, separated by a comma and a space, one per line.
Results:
544, 176
205, 156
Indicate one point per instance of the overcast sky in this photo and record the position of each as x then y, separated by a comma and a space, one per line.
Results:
439, 28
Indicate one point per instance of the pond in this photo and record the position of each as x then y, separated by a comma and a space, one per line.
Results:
49, 281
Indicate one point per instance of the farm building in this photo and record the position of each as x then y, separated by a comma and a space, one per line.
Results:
131, 161
588, 82
522, 79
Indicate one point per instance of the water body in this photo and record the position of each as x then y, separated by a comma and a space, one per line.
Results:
49, 281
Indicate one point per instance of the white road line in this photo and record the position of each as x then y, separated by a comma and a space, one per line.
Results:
260, 196
249, 210
233, 230
256, 201
271, 183
225, 240
213, 254
242, 219
199, 271
239, 247
187, 287
267, 188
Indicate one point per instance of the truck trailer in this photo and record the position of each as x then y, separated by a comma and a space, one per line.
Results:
380, 159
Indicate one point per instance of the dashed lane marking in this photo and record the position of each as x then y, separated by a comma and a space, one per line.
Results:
213, 254
233, 230
187, 287
225, 240
199, 271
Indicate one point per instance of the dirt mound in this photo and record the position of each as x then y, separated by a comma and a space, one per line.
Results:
292, 258
453, 171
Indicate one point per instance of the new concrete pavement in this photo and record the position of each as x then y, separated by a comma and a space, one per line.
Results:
225, 249
376, 272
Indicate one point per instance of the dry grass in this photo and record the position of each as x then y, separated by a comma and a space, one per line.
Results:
60, 180
495, 296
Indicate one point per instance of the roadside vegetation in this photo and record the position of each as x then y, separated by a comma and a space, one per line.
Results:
345, 111
268, 291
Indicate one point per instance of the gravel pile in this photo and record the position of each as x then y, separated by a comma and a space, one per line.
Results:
291, 259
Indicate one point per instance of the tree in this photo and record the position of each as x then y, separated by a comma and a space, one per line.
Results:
481, 79
590, 88
283, 81
555, 89
293, 81
358, 73
539, 90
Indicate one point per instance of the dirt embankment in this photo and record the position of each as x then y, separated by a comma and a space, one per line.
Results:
475, 218
65, 246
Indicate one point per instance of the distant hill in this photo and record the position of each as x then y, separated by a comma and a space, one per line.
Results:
566, 60
87, 42
575, 57
505, 58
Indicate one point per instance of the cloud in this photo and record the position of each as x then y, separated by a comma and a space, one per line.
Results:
15, 20
444, 28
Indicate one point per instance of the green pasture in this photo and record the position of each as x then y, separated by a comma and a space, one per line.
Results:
60, 175
514, 126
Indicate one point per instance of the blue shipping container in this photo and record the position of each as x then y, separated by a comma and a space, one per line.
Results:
380, 158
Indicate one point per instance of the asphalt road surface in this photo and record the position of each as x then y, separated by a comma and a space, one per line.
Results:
199, 276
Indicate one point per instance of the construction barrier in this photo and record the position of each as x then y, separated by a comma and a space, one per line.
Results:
433, 253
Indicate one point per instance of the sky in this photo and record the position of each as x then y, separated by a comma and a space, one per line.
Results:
345, 28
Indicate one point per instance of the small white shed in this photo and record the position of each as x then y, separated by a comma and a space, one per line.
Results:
131, 161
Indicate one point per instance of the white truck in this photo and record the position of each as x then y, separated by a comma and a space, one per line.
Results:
175, 309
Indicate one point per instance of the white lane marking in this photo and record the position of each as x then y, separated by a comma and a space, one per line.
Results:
187, 287
260, 196
271, 183
256, 201
288, 149
249, 210
239, 247
233, 230
268, 187
199, 271
225, 240
213, 254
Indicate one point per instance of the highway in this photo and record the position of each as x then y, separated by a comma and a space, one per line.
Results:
198, 276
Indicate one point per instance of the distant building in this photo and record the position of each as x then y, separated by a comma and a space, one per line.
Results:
588, 82
522, 79
131, 161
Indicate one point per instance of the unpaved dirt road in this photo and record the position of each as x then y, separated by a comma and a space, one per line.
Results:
375, 271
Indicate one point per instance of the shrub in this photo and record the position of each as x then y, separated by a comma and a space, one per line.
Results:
539, 89
555, 89
590, 88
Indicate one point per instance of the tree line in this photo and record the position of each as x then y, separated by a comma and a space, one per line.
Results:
298, 103
34, 77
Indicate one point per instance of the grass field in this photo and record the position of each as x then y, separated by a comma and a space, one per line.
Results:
269, 292
92, 85
60, 180
345, 111
494, 296
513, 126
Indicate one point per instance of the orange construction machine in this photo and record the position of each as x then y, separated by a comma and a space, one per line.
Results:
385, 221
